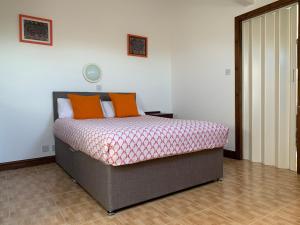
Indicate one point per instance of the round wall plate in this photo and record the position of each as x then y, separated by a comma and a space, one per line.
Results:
91, 73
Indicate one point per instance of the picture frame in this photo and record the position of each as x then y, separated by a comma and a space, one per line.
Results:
35, 30
137, 45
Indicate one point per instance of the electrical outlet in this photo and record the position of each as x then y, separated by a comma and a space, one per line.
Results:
45, 148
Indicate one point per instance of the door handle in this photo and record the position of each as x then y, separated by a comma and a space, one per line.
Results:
293, 76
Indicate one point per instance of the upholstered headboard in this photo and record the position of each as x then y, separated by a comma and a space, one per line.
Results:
59, 94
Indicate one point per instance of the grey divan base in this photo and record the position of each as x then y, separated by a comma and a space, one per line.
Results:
119, 187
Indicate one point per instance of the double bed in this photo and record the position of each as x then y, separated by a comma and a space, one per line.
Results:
124, 161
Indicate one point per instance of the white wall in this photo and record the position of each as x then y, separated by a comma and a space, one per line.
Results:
84, 32
203, 47
182, 31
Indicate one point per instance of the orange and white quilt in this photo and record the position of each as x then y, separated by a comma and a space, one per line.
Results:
122, 141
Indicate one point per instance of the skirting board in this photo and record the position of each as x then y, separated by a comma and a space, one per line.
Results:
230, 154
26, 163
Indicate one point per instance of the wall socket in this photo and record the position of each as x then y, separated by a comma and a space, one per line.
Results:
48, 148
45, 148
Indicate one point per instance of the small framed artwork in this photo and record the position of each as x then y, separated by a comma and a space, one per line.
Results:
35, 30
137, 45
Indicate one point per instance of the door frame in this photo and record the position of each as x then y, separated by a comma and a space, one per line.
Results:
239, 73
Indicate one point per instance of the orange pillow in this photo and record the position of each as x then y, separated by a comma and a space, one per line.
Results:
86, 107
124, 105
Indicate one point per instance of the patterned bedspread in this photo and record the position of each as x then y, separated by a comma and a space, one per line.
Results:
121, 141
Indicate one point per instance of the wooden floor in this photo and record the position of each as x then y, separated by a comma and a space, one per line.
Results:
250, 194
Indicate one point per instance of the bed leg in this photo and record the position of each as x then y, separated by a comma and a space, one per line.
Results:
110, 213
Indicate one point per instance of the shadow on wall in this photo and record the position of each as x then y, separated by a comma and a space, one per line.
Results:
245, 2
43, 145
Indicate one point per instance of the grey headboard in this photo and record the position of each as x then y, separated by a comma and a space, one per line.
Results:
59, 94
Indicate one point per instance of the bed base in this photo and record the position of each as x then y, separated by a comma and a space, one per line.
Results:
116, 188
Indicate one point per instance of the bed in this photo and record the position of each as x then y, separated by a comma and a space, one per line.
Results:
109, 160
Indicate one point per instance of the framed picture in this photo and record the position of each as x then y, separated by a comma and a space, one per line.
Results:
137, 46
35, 30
